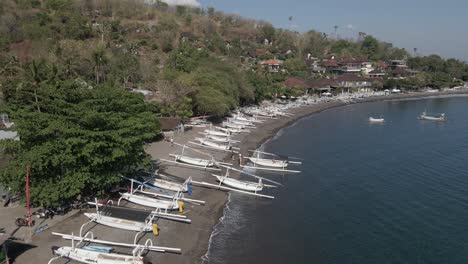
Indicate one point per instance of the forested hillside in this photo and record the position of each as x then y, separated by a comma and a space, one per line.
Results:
67, 66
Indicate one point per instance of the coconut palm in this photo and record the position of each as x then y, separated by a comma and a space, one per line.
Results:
99, 59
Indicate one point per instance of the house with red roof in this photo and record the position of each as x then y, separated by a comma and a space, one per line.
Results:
295, 82
330, 65
322, 85
272, 65
355, 65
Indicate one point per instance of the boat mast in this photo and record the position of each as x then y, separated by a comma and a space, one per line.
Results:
28, 207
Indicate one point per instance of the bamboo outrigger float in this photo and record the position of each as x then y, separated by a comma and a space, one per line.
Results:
104, 255
273, 164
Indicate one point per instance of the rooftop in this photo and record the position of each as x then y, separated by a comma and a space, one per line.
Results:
354, 60
295, 82
320, 83
350, 78
272, 62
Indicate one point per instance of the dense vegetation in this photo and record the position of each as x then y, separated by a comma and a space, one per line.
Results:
65, 64
77, 139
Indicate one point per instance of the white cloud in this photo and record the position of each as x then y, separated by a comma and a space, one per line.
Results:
349, 26
193, 3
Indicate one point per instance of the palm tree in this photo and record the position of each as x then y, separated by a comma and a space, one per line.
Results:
37, 74
415, 51
336, 31
99, 59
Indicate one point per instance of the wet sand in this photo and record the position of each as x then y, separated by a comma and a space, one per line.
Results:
192, 238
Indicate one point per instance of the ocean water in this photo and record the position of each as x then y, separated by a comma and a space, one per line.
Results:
368, 193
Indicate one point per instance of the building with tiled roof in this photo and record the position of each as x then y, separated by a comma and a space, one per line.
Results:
272, 65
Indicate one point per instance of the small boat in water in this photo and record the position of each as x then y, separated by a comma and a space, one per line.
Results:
376, 120
439, 117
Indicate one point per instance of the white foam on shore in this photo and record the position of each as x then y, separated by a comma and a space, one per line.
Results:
216, 229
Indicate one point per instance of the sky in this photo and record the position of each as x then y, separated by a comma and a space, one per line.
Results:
431, 26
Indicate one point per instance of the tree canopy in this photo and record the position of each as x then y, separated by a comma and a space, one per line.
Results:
76, 138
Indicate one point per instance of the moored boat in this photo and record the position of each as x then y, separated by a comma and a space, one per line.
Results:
439, 117
376, 120
95, 257
241, 185
118, 222
167, 185
269, 162
150, 202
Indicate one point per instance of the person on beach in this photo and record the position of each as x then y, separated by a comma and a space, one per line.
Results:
172, 141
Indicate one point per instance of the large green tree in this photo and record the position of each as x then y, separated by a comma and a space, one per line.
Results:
79, 142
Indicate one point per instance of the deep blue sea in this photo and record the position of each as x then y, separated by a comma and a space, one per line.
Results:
368, 193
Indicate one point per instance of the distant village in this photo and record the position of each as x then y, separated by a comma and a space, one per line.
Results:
348, 73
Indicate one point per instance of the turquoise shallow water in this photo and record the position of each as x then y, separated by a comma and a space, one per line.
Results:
369, 193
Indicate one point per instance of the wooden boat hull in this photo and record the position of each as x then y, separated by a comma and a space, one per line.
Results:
119, 223
150, 202
94, 257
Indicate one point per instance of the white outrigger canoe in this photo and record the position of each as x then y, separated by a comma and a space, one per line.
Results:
118, 222
376, 120
167, 185
232, 130
95, 257
240, 122
217, 133
219, 138
269, 162
193, 161
213, 145
247, 119
239, 184
232, 125
150, 202
103, 254
424, 116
